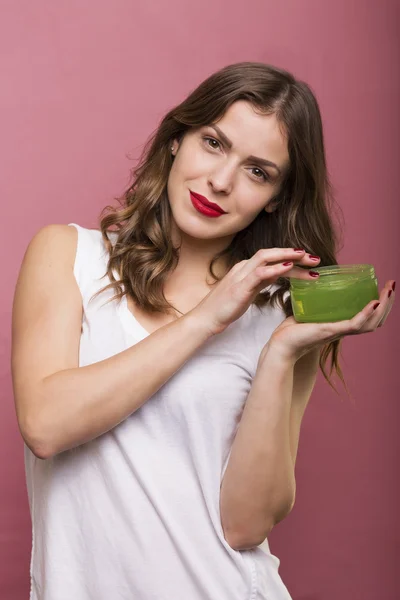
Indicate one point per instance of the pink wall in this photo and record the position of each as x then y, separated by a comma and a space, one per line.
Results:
83, 85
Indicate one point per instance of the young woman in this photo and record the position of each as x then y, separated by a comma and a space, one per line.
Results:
160, 378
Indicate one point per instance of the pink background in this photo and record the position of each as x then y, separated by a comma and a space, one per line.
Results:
83, 85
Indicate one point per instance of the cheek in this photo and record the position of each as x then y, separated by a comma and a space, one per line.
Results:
191, 163
180, 172
250, 203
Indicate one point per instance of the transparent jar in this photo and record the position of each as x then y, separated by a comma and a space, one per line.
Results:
339, 293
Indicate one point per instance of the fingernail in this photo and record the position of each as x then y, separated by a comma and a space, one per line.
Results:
376, 305
286, 264
313, 273
390, 293
314, 257
298, 249
394, 285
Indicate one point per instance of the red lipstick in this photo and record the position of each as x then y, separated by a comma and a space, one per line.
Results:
205, 206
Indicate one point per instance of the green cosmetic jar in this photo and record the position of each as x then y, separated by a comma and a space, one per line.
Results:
339, 293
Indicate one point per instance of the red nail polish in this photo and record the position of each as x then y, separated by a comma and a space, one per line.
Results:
286, 264
394, 285
314, 257
314, 274
376, 305
390, 293
298, 249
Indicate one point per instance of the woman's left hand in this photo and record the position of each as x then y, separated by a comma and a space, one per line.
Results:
293, 339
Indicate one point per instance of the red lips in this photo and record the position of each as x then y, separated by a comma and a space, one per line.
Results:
206, 202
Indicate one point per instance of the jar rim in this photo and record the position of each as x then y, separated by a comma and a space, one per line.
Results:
327, 270
339, 273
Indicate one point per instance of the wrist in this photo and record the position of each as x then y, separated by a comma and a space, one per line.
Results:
198, 326
276, 352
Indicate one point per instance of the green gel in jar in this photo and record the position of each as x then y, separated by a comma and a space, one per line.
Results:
339, 293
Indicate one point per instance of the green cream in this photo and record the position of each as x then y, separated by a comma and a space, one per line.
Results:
340, 292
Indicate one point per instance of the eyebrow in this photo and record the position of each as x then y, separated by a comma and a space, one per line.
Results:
260, 161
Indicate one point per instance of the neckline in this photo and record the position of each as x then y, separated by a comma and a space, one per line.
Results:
126, 317
129, 320
132, 325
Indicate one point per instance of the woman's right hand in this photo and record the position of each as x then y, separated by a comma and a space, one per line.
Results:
233, 294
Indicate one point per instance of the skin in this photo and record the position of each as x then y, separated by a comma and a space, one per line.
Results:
293, 340
225, 177
204, 164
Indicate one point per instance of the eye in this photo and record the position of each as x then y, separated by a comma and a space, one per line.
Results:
212, 140
263, 177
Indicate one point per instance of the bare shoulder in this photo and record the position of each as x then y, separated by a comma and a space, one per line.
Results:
46, 271
47, 312
55, 237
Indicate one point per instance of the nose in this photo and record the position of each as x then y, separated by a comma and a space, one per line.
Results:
221, 179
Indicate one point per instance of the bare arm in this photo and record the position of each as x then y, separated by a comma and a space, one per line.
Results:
258, 488
60, 405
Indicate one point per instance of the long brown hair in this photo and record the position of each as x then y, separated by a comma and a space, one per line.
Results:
143, 255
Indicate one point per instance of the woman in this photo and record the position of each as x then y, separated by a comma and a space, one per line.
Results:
159, 377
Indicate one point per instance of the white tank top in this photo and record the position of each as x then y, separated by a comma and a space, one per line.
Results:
134, 514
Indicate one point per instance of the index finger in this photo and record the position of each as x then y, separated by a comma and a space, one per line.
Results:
271, 256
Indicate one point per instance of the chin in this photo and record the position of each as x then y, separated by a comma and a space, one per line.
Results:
198, 231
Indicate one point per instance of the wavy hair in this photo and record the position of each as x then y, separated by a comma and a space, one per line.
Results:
143, 255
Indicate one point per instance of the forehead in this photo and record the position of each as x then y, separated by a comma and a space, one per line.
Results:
253, 133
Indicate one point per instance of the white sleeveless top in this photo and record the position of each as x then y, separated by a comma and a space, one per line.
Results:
134, 514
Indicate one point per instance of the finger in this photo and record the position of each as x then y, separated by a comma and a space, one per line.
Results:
301, 273
270, 256
383, 306
388, 308
357, 324
303, 259
378, 315
262, 276
310, 260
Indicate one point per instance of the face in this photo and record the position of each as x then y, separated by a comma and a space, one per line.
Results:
220, 169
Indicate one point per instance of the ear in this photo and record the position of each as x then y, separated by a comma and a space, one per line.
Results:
174, 146
272, 205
